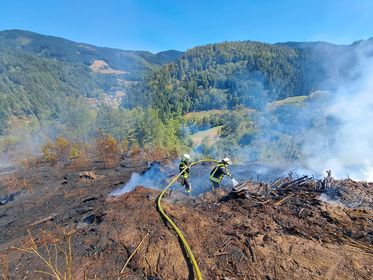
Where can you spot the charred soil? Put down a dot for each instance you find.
(287, 234)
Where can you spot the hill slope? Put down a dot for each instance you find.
(38, 73)
(231, 74)
(133, 63)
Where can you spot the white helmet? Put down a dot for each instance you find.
(185, 157)
(227, 161)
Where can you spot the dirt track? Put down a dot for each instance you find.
(231, 238)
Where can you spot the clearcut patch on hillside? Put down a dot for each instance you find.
(100, 66)
(212, 135)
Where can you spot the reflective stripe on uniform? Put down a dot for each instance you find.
(182, 166)
(212, 176)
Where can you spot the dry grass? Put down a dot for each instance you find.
(79, 155)
(5, 266)
(135, 152)
(27, 161)
(49, 250)
(13, 183)
(62, 151)
(100, 66)
(157, 153)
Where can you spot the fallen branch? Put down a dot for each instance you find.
(49, 218)
(367, 249)
(219, 254)
(278, 203)
(225, 243)
(248, 244)
(134, 252)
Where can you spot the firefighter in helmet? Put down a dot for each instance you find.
(217, 174)
(184, 167)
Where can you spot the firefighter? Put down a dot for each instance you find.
(184, 163)
(217, 174)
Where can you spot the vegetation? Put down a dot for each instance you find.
(108, 150)
(42, 75)
(55, 254)
(133, 64)
(227, 76)
(253, 93)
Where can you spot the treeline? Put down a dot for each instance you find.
(39, 73)
(138, 129)
(229, 75)
(134, 64)
(47, 84)
(34, 86)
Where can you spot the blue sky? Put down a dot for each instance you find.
(157, 25)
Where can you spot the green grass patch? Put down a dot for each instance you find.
(294, 100)
(212, 135)
(198, 116)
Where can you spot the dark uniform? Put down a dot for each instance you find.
(185, 175)
(217, 174)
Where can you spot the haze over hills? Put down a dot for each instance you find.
(255, 89)
(38, 73)
(230, 74)
(133, 63)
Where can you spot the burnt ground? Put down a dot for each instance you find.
(288, 235)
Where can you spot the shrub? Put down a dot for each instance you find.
(55, 254)
(56, 151)
(78, 154)
(108, 150)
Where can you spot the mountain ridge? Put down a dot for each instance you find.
(250, 73)
(76, 52)
(37, 72)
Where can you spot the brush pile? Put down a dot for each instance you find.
(348, 192)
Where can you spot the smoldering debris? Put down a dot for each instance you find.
(344, 193)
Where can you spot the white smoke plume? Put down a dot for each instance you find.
(153, 177)
(351, 152)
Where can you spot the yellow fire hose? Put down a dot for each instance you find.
(178, 231)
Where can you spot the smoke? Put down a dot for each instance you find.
(346, 147)
(5, 161)
(136, 180)
(154, 177)
(334, 202)
(159, 176)
(21, 142)
(331, 129)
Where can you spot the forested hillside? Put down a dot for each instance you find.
(39, 74)
(134, 64)
(265, 96)
(250, 74)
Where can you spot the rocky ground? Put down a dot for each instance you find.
(60, 222)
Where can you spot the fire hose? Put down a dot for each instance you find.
(174, 226)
